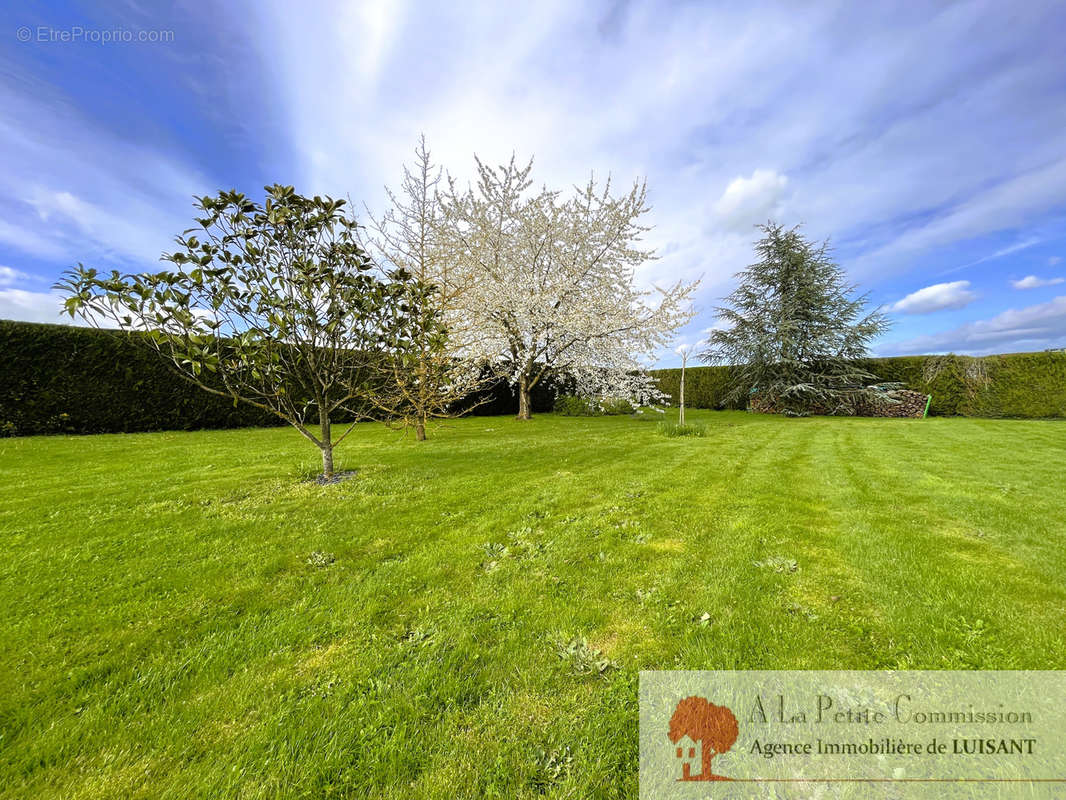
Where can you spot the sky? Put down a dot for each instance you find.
(926, 141)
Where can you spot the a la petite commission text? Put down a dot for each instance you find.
(902, 709)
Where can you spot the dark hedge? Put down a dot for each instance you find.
(63, 379)
(1024, 385)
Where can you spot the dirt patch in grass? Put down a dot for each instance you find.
(336, 477)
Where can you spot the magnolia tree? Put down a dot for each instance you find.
(550, 284)
(274, 304)
(443, 372)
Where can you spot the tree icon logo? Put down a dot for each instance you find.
(696, 720)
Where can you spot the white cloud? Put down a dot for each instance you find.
(1033, 282)
(1032, 328)
(34, 307)
(734, 113)
(750, 201)
(1054, 260)
(43, 244)
(9, 276)
(901, 128)
(719, 325)
(1004, 206)
(938, 297)
(100, 197)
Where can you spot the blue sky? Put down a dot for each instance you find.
(927, 140)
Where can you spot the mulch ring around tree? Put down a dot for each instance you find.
(336, 477)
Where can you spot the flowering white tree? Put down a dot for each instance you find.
(551, 284)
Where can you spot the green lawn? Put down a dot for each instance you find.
(163, 633)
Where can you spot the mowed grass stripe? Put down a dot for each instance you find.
(165, 635)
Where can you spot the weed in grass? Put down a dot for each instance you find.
(645, 596)
(320, 689)
(798, 610)
(552, 768)
(674, 429)
(494, 552)
(971, 631)
(320, 560)
(525, 544)
(417, 637)
(583, 659)
(779, 564)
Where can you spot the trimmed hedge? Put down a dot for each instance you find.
(705, 387)
(570, 405)
(1023, 385)
(63, 379)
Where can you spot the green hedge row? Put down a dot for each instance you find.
(63, 379)
(1025, 385)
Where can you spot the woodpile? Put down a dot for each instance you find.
(900, 403)
(897, 403)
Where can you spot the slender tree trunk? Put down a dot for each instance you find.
(420, 430)
(681, 403)
(524, 405)
(327, 443)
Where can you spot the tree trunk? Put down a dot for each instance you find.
(327, 443)
(681, 403)
(327, 461)
(524, 405)
(420, 430)
(707, 755)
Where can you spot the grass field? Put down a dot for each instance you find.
(166, 632)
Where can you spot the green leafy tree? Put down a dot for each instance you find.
(273, 304)
(793, 329)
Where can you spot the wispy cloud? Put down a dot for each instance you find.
(1031, 328)
(1002, 252)
(1033, 282)
(73, 189)
(9, 276)
(919, 136)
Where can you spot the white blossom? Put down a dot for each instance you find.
(551, 284)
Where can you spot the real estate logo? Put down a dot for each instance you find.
(699, 723)
(852, 735)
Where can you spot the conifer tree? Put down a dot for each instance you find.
(794, 331)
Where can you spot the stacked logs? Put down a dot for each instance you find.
(897, 403)
(900, 403)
